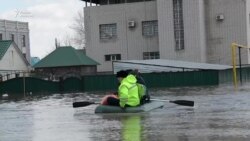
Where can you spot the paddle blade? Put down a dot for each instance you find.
(82, 104)
(183, 102)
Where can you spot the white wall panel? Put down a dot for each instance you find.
(220, 34)
(129, 43)
(194, 32)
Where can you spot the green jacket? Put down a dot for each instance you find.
(128, 92)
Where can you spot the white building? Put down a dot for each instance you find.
(12, 62)
(17, 32)
(188, 30)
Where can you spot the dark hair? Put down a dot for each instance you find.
(122, 74)
(134, 72)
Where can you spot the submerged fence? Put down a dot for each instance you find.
(33, 85)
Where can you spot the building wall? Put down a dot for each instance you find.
(194, 31)
(248, 27)
(233, 28)
(12, 63)
(207, 40)
(12, 60)
(129, 42)
(18, 29)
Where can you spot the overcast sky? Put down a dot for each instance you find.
(48, 19)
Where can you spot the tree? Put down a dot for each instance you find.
(67, 40)
(78, 27)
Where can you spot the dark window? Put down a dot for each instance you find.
(149, 28)
(12, 37)
(1, 36)
(107, 58)
(108, 31)
(150, 55)
(23, 41)
(112, 57)
(178, 24)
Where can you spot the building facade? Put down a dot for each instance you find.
(17, 32)
(12, 62)
(188, 30)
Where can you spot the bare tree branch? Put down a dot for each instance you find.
(78, 27)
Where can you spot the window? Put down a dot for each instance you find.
(8, 76)
(108, 31)
(150, 28)
(249, 18)
(112, 57)
(178, 24)
(24, 55)
(1, 36)
(23, 41)
(150, 55)
(12, 37)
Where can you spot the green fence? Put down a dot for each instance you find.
(28, 84)
(243, 75)
(100, 83)
(180, 79)
(108, 82)
(226, 76)
(71, 85)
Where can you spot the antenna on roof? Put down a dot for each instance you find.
(56, 43)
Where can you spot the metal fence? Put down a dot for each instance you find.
(23, 85)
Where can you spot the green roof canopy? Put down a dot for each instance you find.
(65, 56)
(4, 45)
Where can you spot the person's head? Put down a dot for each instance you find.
(129, 71)
(133, 72)
(121, 74)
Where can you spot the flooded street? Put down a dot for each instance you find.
(220, 113)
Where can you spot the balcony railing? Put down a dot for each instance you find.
(109, 2)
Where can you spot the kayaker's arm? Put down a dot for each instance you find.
(123, 95)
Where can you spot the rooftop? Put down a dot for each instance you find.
(65, 56)
(4, 45)
(163, 65)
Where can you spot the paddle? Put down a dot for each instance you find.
(83, 104)
(179, 102)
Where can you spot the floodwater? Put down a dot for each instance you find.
(220, 114)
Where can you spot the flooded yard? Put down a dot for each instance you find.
(220, 113)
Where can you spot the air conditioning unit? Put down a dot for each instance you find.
(220, 17)
(131, 24)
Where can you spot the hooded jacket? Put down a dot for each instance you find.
(128, 92)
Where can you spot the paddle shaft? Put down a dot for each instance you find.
(83, 104)
(160, 100)
(179, 102)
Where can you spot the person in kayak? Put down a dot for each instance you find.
(127, 92)
(143, 91)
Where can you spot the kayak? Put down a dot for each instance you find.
(116, 109)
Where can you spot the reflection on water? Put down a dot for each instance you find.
(131, 128)
(220, 113)
(119, 127)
